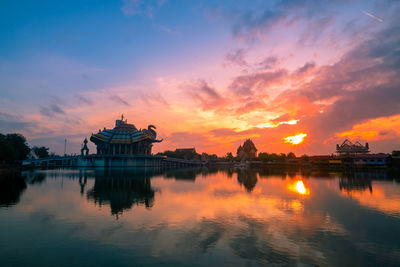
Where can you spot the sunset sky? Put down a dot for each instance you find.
(207, 74)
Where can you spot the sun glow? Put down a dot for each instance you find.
(291, 122)
(295, 139)
(299, 187)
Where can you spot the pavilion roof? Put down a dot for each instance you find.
(119, 136)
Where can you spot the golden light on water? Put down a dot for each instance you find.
(299, 187)
(295, 139)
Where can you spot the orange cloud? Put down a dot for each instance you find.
(375, 129)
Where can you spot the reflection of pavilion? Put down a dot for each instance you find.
(360, 181)
(121, 192)
(350, 184)
(248, 179)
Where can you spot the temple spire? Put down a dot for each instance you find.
(122, 117)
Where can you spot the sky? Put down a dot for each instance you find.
(207, 74)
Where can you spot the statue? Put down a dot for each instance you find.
(84, 148)
(150, 132)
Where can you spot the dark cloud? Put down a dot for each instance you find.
(305, 68)
(224, 132)
(363, 85)
(203, 93)
(315, 29)
(259, 18)
(154, 98)
(383, 133)
(83, 100)
(51, 110)
(247, 84)
(250, 106)
(237, 58)
(356, 107)
(119, 100)
(12, 123)
(268, 63)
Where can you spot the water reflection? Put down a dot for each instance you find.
(121, 190)
(247, 178)
(188, 174)
(352, 184)
(11, 187)
(298, 187)
(207, 216)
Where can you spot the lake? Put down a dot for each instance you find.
(97, 217)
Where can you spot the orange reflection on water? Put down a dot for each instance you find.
(298, 187)
(383, 198)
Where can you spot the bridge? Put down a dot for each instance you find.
(105, 160)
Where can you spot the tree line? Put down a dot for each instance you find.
(14, 149)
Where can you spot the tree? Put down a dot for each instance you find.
(41, 152)
(5, 149)
(274, 157)
(263, 156)
(304, 158)
(13, 147)
(396, 153)
(229, 156)
(239, 151)
(291, 155)
(182, 154)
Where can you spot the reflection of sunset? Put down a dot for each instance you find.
(383, 198)
(299, 187)
(295, 139)
(211, 211)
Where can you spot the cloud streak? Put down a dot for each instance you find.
(372, 16)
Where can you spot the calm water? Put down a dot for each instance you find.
(199, 217)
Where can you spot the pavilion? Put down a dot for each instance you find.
(125, 139)
(349, 148)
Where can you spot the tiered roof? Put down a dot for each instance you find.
(348, 147)
(123, 133)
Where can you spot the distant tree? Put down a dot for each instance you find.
(13, 147)
(239, 151)
(274, 157)
(5, 149)
(304, 158)
(263, 156)
(213, 157)
(291, 155)
(396, 153)
(41, 152)
(229, 156)
(181, 154)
